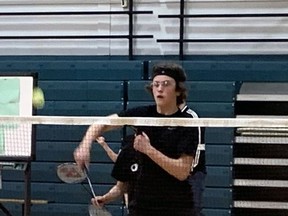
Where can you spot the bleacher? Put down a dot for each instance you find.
(101, 87)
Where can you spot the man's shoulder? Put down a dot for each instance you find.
(189, 112)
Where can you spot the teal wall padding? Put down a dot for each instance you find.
(93, 85)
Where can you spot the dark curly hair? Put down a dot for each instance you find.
(177, 73)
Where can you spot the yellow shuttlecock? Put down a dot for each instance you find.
(38, 100)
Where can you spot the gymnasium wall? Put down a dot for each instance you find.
(148, 27)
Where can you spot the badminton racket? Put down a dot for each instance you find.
(71, 173)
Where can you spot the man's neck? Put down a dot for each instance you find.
(167, 110)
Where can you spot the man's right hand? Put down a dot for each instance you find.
(101, 141)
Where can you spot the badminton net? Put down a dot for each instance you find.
(246, 158)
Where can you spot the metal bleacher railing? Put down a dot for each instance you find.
(130, 36)
(182, 16)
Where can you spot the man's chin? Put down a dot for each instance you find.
(160, 102)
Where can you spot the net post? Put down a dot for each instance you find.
(26, 207)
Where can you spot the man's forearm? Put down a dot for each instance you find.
(94, 131)
(91, 134)
(115, 192)
(112, 155)
(179, 168)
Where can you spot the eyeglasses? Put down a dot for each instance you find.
(164, 83)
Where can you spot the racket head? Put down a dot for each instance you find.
(98, 211)
(71, 173)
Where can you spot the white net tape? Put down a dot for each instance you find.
(149, 121)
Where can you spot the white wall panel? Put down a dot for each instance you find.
(144, 24)
(52, 47)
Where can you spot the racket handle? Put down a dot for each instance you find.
(136, 130)
(89, 181)
(86, 170)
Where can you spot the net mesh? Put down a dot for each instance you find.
(246, 158)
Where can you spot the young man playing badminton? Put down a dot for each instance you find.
(198, 175)
(164, 155)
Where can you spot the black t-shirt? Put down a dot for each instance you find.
(151, 187)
